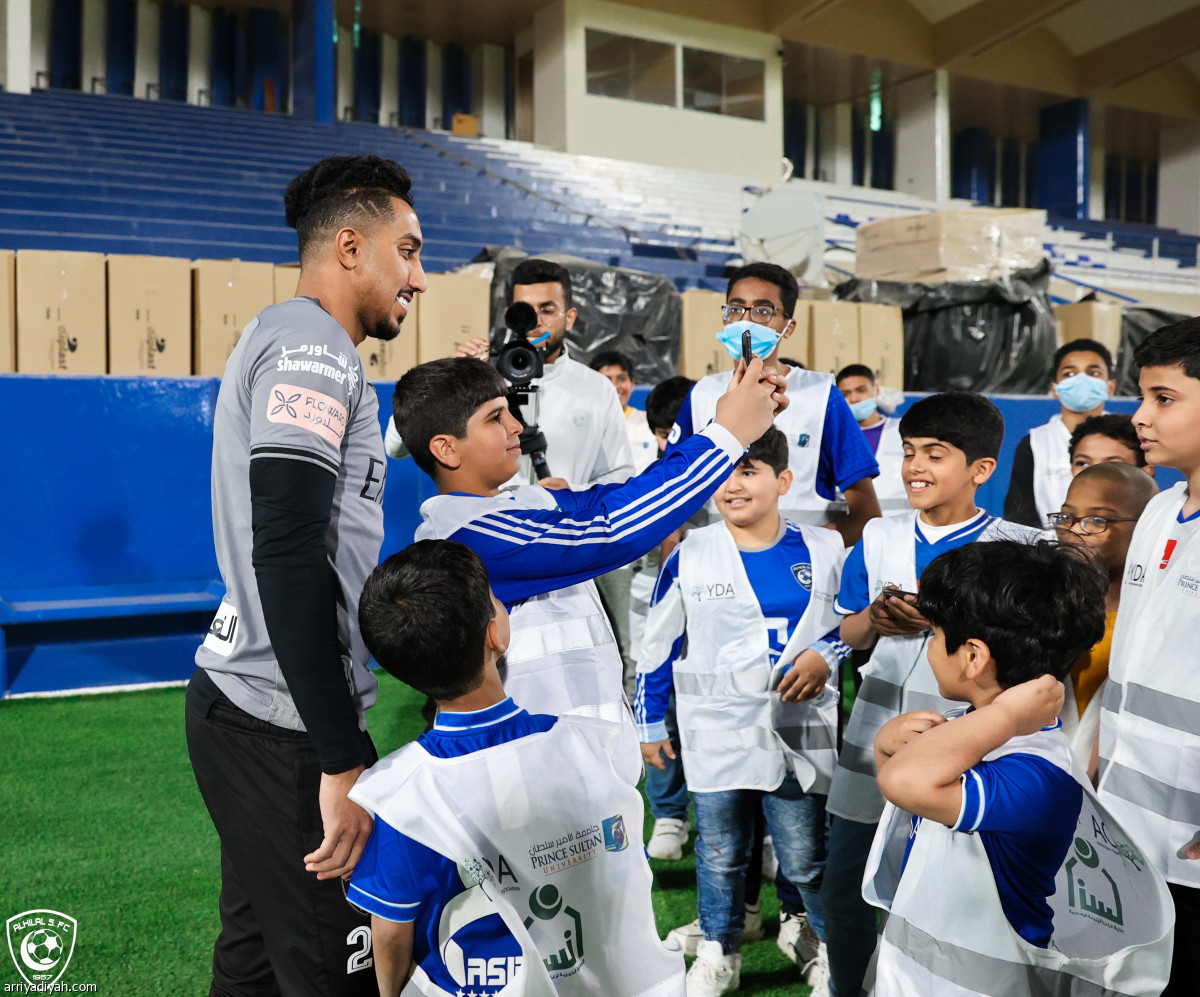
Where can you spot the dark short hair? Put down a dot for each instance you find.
(535, 271)
(665, 400)
(771, 449)
(772, 273)
(854, 370)
(440, 397)
(1175, 345)
(1084, 346)
(339, 190)
(961, 418)
(1116, 426)
(424, 614)
(1037, 606)
(612, 358)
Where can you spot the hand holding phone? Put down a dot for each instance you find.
(747, 355)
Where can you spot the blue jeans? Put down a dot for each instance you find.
(666, 789)
(850, 927)
(725, 826)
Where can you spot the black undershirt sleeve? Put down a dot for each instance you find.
(1019, 506)
(291, 502)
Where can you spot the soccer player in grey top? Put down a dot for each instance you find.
(275, 711)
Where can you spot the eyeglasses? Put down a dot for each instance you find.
(1089, 524)
(762, 314)
(550, 311)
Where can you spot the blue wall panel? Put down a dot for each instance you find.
(456, 83)
(66, 44)
(412, 83)
(313, 60)
(368, 71)
(1062, 173)
(972, 165)
(115, 491)
(265, 70)
(173, 51)
(224, 58)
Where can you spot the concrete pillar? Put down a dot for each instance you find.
(389, 80)
(809, 165)
(1097, 149)
(923, 136)
(345, 72)
(95, 59)
(550, 89)
(199, 55)
(433, 87)
(487, 89)
(17, 27)
(146, 69)
(835, 162)
(1179, 178)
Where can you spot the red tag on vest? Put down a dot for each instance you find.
(1167, 552)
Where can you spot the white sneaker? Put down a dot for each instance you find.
(714, 973)
(817, 974)
(689, 936)
(667, 839)
(797, 940)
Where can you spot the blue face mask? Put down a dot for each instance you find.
(763, 339)
(864, 410)
(1082, 392)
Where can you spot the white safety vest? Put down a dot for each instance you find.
(946, 934)
(546, 832)
(802, 422)
(562, 653)
(1050, 444)
(889, 486)
(735, 732)
(898, 678)
(1150, 714)
(1081, 731)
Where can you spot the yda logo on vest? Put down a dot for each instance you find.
(556, 928)
(41, 943)
(717, 590)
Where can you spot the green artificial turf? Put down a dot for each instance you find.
(101, 819)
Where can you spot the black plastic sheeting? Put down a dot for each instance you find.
(991, 336)
(637, 313)
(1136, 324)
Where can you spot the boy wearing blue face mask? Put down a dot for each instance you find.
(827, 453)
(1041, 470)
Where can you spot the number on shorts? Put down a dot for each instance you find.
(361, 957)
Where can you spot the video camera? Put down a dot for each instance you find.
(522, 365)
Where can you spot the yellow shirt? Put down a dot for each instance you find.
(1092, 669)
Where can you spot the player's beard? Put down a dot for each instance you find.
(385, 330)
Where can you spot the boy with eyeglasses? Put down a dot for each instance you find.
(1102, 506)
(826, 450)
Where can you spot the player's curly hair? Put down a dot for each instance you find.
(340, 189)
(1037, 606)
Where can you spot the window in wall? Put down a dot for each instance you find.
(723, 84)
(630, 68)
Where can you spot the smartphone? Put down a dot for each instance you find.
(899, 593)
(746, 341)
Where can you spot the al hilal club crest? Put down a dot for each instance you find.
(803, 574)
(41, 943)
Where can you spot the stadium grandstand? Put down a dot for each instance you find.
(633, 135)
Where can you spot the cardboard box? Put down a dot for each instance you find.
(386, 361)
(61, 313)
(975, 244)
(227, 294)
(149, 315)
(464, 124)
(1096, 320)
(881, 343)
(699, 352)
(286, 279)
(8, 311)
(454, 309)
(833, 342)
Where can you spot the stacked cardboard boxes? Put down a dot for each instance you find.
(8, 311)
(976, 244)
(227, 294)
(1096, 320)
(149, 316)
(60, 313)
(454, 309)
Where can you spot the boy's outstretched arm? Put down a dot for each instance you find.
(392, 942)
(922, 774)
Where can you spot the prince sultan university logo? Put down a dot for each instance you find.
(41, 943)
